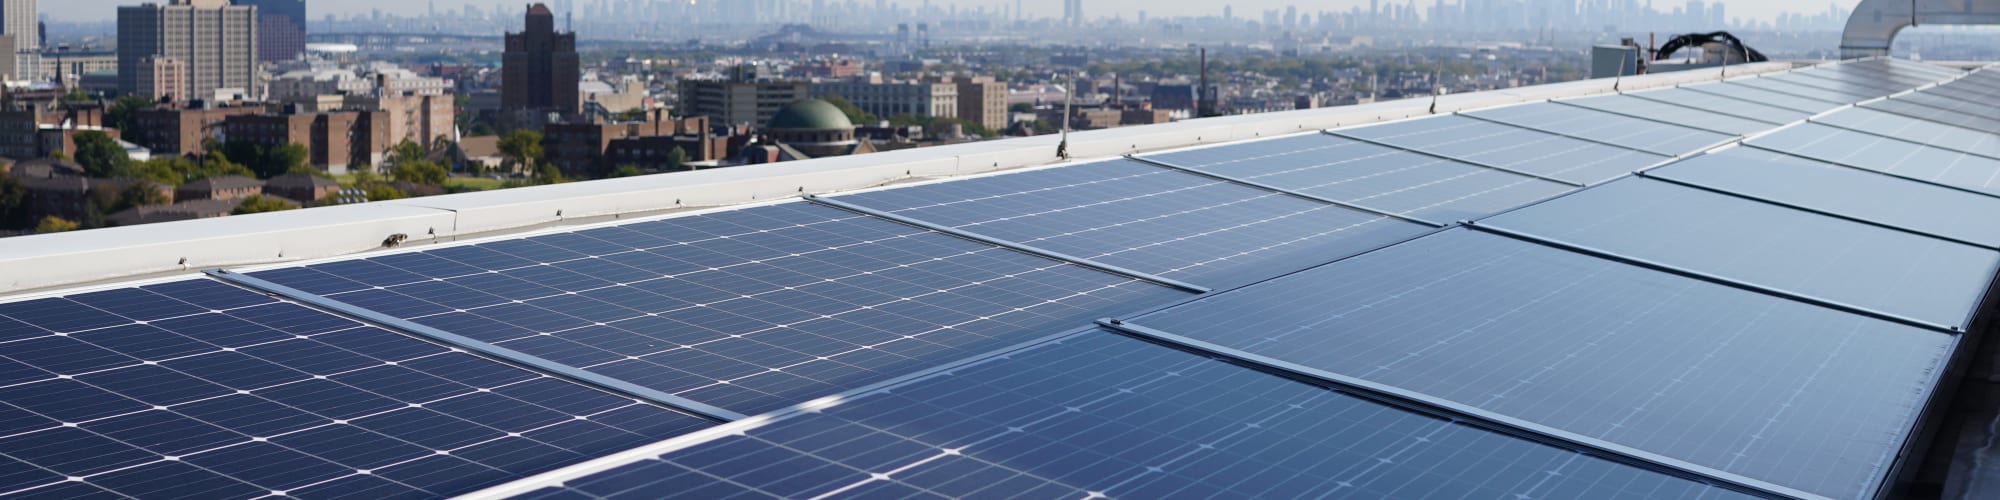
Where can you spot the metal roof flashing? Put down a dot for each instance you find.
(64, 259)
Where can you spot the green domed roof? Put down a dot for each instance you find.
(810, 114)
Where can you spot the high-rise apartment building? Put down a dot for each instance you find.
(540, 71)
(982, 100)
(281, 28)
(18, 19)
(214, 42)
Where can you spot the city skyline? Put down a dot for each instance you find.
(99, 10)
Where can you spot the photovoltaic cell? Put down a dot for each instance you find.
(1797, 89)
(1753, 94)
(1755, 385)
(750, 310)
(1907, 105)
(197, 389)
(1723, 105)
(1653, 137)
(1844, 191)
(1102, 414)
(1511, 147)
(1775, 247)
(1877, 76)
(1372, 176)
(1887, 155)
(1149, 219)
(1628, 105)
(1866, 88)
(1932, 133)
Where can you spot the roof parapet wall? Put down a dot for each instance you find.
(54, 260)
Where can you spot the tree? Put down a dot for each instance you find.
(175, 170)
(406, 151)
(854, 113)
(548, 174)
(100, 155)
(75, 95)
(523, 149)
(419, 172)
(1021, 107)
(139, 194)
(124, 112)
(677, 160)
(627, 171)
(257, 204)
(285, 159)
(380, 192)
(53, 224)
(13, 203)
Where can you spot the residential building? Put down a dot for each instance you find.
(615, 96)
(591, 150)
(886, 99)
(177, 132)
(72, 65)
(421, 119)
(228, 187)
(281, 26)
(214, 41)
(37, 132)
(162, 79)
(982, 100)
(335, 141)
(739, 102)
(540, 70)
(303, 188)
(19, 19)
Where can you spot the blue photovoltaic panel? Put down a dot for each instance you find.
(1372, 176)
(1654, 137)
(1775, 247)
(1722, 105)
(1511, 147)
(1978, 96)
(1886, 155)
(197, 389)
(1907, 105)
(1706, 120)
(1150, 219)
(1752, 94)
(1914, 68)
(1881, 77)
(1913, 129)
(750, 310)
(1855, 87)
(1764, 387)
(1798, 89)
(1103, 414)
(1844, 191)
(1954, 100)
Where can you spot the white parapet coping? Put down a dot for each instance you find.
(54, 260)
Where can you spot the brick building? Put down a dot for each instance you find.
(177, 132)
(589, 150)
(335, 141)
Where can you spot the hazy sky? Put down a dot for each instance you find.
(1762, 9)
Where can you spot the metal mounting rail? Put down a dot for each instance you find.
(1427, 404)
(1814, 211)
(493, 351)
(1870, 170)
(1570, 136)
(1689, 273)
(1656, 120)
(1903, 140)
(1774, 105)
(1019, 247)
(1642, 95)
(1283, 191)
(1447, 157)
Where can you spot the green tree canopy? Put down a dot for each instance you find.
(854, 113)
(523, 148)
(380, 192)
(257, 204)
(124, 112)
(677, 160)
(626, 171)
(100, 155)
(53, 224)
(406, 151)
(13, 203)
(419, 172)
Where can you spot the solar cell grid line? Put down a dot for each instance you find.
(1890, 275)
(1844, 85)
(1896, 157)
(1024, 248)
(1722, 104)
(1838, 163)
(1106, 415)
(1845, 191)
(1948, 104)
(1911, 109)
(1449, 158)
(1543, 119)
(1378, 177)
(1884, 75)
(194, 388)
(1762, 96)
(1275, 189)
(1939, 134)
(1803, 208)
(1507, 146)
(1797, 90)
(1741, 126)
(746, 309)
(1906, 140)
(1603, 349)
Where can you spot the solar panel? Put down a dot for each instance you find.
(750, 310)
(1907, 107)
(1645, 135)
(1797, 89)
(1878, 75)
(1722, 105)
(198, 389)
(1898, 273)
(1103, 415)
(1977, 96)
(1150, 219)
(1372, 176)
(1764, 387)
(1633, 106)
(1752, 94)
(1899, 126)
(1844, 191)
(1917, 68)
(1883, 154)
(1863, 87)
(1510, 147)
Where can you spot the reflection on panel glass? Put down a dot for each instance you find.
(1927, 132)
(1765, 387)
(1650, 136)
(1887, 155)
(1511, 147)
(1628, 105)
(1723, 105)
(1105, 415)
(1844, 191)
(1753, 94)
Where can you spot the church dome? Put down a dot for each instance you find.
(810, 114)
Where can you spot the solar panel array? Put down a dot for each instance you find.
(1296, 316)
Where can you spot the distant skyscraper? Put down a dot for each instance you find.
(215, 44)
(540, 70)
(281, 28)
(18, 19)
